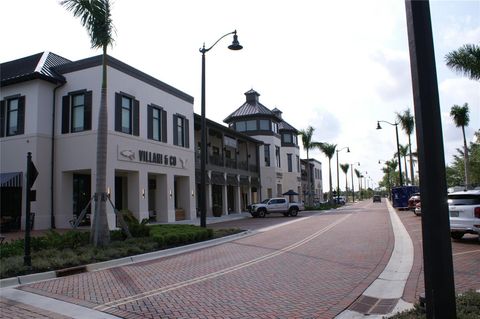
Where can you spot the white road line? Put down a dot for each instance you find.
(222, 272)
(466, 252)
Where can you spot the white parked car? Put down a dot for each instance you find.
(464, 210)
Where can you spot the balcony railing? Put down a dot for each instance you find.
(230, 163)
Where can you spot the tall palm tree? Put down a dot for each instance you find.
(403, 153)
(408, 123)
(462, 118)
(308, 145)
(95, 16)
(359, 175)
(465, 60)
(329, 151)
(345, 168)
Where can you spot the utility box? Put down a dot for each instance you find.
(400, 195)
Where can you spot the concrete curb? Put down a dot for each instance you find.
(28, 279)
(390, 284)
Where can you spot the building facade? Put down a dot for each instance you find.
(316, 180)
(233, 174)
(279, 155)
(49, 107)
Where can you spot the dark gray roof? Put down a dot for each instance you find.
(252, 107)
(285, 126)
(37, 66)
(197, 118)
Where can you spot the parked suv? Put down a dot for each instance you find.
(464, 211)
(413, 201)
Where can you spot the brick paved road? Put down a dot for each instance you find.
(466, 260)
(312, 268)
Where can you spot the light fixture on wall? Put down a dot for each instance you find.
(143, 192)
(193, 194)
(170, 193)
(108, 191)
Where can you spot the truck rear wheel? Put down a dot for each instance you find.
(261, 213)
(293, 211)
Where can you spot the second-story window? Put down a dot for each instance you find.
(77, 112)
(264, 125)
(157, 123)
(180, 131)
(277, 155)
(126, 114)
(266, 149)
(298, 164)
(289, 162)
(12, 116)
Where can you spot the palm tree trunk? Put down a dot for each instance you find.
(412, 175)
(346, 187)
(309, 186)
(330, 178)
(465, 154)
(100, 235)
(406, 171)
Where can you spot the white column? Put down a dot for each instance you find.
(238, 196)
(142, 195)
(170, 200)
(209, 195)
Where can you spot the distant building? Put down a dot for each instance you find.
(316, 180)
(279, 154)
(233, 174)
(49, 106)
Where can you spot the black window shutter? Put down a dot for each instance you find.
(66, 114)
(2, 118)
(149, 122)
(175, 130)
(21, 115)
(187, 133)
(164, 126)
(136, 118)
(118, 112)
(87, 117)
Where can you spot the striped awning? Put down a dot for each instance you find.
(11, 179)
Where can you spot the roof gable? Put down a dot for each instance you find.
(37, 66)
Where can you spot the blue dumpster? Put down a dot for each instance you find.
(400, 195)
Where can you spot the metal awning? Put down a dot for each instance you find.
(232, 180)
(11, 179)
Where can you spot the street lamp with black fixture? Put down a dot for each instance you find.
(398, 147)
(353, 187)
(203, 147)
(338, 173)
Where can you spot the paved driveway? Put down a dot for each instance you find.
(314, 266)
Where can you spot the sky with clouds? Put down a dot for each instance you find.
(338, 66)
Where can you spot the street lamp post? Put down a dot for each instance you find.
(338, 173)
(398, 148)
(203, 152)
(353, 185)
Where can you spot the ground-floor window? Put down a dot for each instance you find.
(11, 208)
(81, 197)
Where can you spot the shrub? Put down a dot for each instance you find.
(468, 307)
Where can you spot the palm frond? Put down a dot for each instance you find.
(465, 60)
(460, 115)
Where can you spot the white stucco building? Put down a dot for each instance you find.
(279, 154)
(49, 107)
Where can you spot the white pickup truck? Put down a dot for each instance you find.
(276, 205)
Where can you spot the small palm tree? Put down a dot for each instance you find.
(465, 60)
(345, 168)
(408, 123)
(95, 16)
(308, 145)
(329, 151)
(461, 118)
